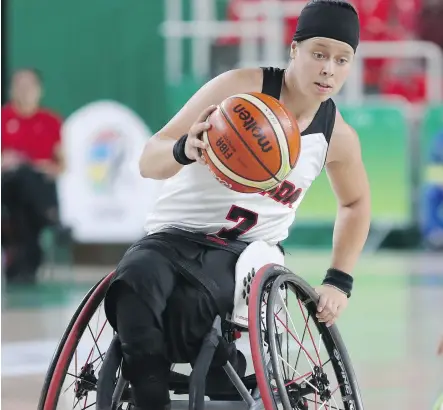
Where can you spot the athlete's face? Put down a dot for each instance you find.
(321, 65)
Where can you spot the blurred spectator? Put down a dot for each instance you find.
(31, 162)
(430, 22)
(374, 17)
(381, 20)
(407, 11)
(387, 20)
(405, 79)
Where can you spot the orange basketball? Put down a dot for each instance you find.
(253, 144)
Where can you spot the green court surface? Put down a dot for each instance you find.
(391, 328)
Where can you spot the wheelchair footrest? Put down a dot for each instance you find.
(211, 405)
(179, 384)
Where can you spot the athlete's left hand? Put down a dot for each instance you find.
(332, 302)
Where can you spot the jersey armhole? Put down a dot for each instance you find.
(272, 81)
(331, 115)
(331, 112)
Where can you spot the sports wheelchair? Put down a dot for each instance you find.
(314, 373)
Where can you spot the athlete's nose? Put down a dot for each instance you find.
(328, 69)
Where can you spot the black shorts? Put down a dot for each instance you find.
(183, 281)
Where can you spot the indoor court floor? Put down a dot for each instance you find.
(391, 327)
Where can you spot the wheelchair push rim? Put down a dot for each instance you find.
(313, 372)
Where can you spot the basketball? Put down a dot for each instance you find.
(253, 143)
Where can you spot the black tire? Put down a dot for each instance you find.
(262, 280)
(63, 355)
(332, 340)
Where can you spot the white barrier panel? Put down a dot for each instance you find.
(102, 195)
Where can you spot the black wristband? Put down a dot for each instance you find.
(179, 151)
(340, 280)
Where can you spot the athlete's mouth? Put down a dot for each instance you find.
(323, 85)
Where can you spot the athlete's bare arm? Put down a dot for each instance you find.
(350, 184)
(157, 160)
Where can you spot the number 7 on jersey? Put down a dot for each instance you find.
(245, 219)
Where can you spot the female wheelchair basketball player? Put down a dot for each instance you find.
(200, 247)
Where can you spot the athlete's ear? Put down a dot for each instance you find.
(293, 50)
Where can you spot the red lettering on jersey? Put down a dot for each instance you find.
(286, 193)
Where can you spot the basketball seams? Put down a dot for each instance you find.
(279, 132)
(283, 169)
(247, 146)
(232, 175)
(287, 138)
(288, 143)
(270, 113)
(233, 172)
(242, 97)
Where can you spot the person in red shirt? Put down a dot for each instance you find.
(31, 161)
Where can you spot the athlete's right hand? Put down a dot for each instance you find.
(194, 144)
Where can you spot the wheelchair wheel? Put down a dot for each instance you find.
(71, 380)
(299, 363)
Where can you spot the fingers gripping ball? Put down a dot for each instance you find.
(253, 143)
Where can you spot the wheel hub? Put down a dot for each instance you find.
(298, 391)
(86, 381)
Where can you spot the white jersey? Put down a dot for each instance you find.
(193, 200)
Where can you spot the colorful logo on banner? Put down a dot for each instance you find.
(106, 156)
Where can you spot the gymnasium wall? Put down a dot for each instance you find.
(92, 50)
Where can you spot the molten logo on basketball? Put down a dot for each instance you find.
(249, 124)
(253, 144)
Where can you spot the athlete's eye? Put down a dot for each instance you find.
(319, 56)
(342, 61)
